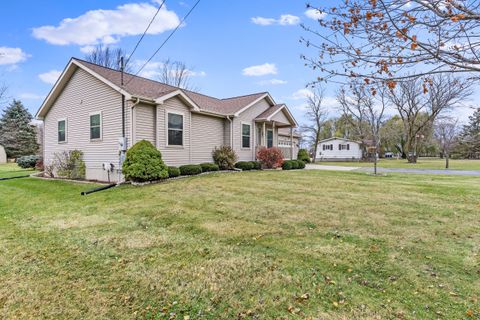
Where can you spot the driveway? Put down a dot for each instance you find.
(394, 170)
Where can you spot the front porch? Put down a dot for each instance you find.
(267, 135)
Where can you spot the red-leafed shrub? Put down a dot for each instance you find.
(271, 158)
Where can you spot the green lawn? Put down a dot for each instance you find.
(422, 163)
(13, 170)
(253, 245)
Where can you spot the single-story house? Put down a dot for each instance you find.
(103, 112)
(339, 149)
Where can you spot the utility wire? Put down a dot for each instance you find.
(165, 41)
(145, 32)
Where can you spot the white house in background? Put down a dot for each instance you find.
(3, 155)
(339, 149)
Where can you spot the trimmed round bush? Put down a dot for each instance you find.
(257, 165)
(244, 165)
(143, 162)
(287, 165)
(190, 170)
(301, 164)
(294, 164)
(303, 155)
(173, 172)
(224, 157)
(208, 167)
(27, 162)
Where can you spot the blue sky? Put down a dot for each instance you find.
(234, 47)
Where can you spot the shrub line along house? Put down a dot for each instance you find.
(89, 109)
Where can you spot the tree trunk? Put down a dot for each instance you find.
(447, 162)
(315, 148)
(410, 151)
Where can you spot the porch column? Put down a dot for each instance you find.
(274, 143)
(264, 135)
(291, 143)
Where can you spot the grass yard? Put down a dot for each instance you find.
(253, 245)
(13, 170)
(422, 163)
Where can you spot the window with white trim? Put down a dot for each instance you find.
(175, 129)
(62, 130)
(246, 131)
(95, 126)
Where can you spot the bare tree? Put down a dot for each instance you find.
(108, 57)
(366, 109)
(388, 40)
(419, 104)
(177, 74)
(446, 131)
(316, 115)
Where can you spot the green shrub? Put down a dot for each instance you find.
(294, 164)
(190, 169)
(244, 165)
(144, 163)
(224, 157)
(303, 155)
(173, 172)
(301, 164)
(257, 165)
(27, 162)
(287, 165)
(207, 167)
(70, 164)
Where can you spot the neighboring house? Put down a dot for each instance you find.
(339, 149)
(90, 110)
(3, 155)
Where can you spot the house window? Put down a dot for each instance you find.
(245, 135)
(62, 130)
(269, 138)
(95, 126)
(175, 129)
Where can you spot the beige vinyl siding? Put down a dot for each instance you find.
(247, 116)
(280, 117)
(174, 155)
(227, 128)
(144, 123)
(83, 95)
(207, 133)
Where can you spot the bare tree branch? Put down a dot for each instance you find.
(316, 115)
(177, 74)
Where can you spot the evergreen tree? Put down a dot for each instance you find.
(17, 134)
(469, 146)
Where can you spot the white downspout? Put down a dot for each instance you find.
(231, 131)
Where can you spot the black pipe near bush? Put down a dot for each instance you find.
(84, 193)
(17, 177)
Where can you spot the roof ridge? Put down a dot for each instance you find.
(245, 95)
(166, 84)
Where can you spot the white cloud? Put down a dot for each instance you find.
(260, 70)
(108, 26)
(12, 56)
(50, 77)
(315, 14)
(302, 94)
(31, 96)
(283, 20)
(271, 82)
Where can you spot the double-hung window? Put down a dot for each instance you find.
(95, 126)
(175, 129)
(246, 135)
(62, 130)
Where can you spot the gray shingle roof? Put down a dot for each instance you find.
(267, 113)
(146, 88)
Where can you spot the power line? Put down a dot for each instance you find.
(165, 41)
(145, 32)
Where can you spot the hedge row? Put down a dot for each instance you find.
(248, 165)
(293, 164)
(192, 169)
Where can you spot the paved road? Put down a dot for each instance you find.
(396, 170)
